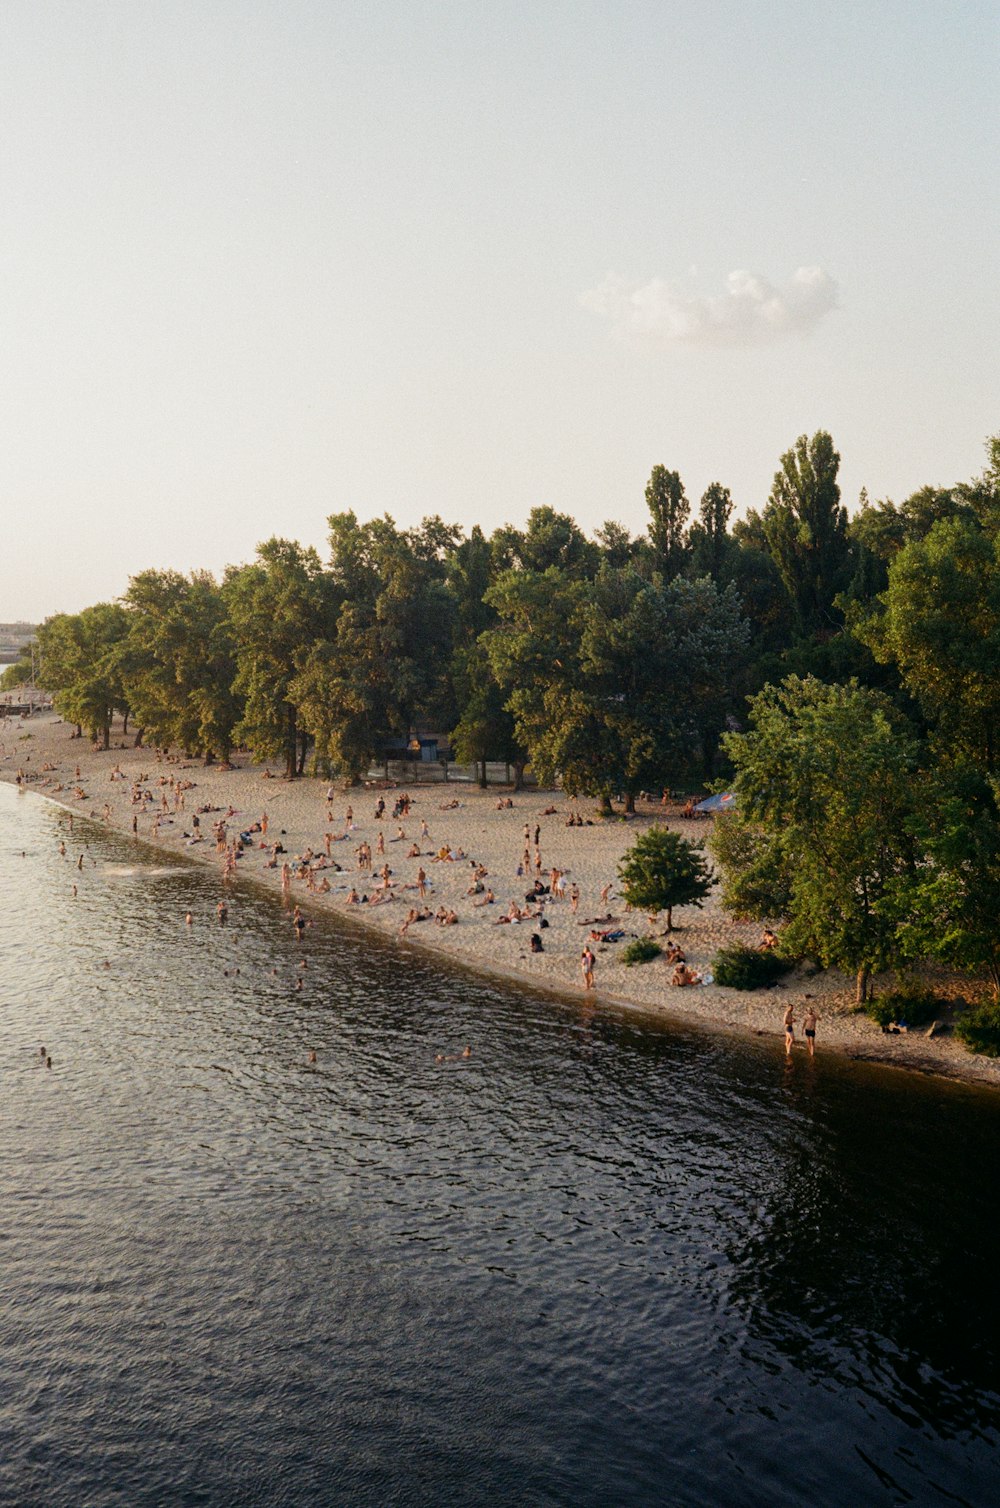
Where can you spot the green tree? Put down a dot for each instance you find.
(279, 608)
(386, 663)
(806, 531)
(663, 870)
(80, 657)
(668, 515)
(954, 902)
(824, 779)
(709, 542)
(938, 622)
(179, 663)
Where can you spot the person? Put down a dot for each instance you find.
(222, 912)
(683, 976)
(789, 1022)
(768, 940)
(536, 943)
(587, 961)
(809, 1028)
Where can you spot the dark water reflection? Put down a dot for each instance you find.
(598, 1262)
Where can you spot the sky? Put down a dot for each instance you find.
(265, 261)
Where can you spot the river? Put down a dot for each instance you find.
(602, 1260)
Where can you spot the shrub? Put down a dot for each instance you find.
(641, 950)
(748, 968)
(979, 1028)
(911, 1003)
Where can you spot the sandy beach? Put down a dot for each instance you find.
(488, 834)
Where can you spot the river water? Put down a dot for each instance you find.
(600, 1261)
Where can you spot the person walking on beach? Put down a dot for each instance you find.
(789, 1029)
(587, 961)
(809, 1029)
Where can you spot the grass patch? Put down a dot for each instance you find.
(749, 968)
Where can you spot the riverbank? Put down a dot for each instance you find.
(483, 830)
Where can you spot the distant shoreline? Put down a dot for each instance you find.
(298, 816)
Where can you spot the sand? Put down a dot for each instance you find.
(462, 817)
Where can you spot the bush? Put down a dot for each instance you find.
(979, 1029)
(642, 950)
(748, 968)
(912, 1003)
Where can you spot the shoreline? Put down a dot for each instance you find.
(473, 823)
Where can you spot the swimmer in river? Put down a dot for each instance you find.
(48, 1062)
(222, 912)
(79, 863)
(312, 1055)
(74, 892)
(188, 919)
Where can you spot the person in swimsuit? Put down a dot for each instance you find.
(587, 961)
(809, 1029)
(789, 1029)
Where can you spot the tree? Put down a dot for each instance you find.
(708, 540)
(806, 531)
(824, 781)
(80, 656)
(179, 663)
(954, 903)
(939, 622)
(668, 515)
(279, 608)
(386, 661)
(617, 681)
(663, 870)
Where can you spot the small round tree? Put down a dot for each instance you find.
(663, 870)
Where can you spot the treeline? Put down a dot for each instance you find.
(868, 815)
(616, 663)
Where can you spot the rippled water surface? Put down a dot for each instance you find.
(598, 1262)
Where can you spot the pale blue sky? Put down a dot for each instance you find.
(261, 262)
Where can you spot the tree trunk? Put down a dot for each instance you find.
(291, 738)
(107, 735)
(482, 775)
(507, 775)
(79, 731)
(518, 775)
(209, 758)
(864, 977)
(303, 750)
(630, 803)
(670, 918)
(607, 810)
(139, 736)
(125, 726)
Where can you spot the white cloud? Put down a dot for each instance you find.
(752, 311)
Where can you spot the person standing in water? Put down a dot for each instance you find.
(789, 1029)
(809, 1028)
(587, 961)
